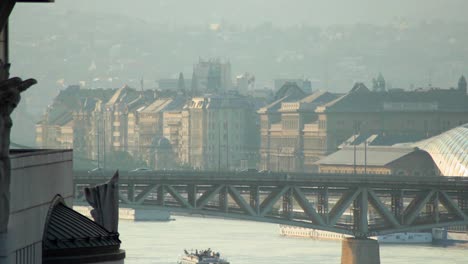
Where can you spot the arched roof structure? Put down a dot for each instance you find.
(449, 151)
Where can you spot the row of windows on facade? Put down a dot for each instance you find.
(410, 123)
(226, 113)
(230, 147)
(358, 125)
(214, 136)
(290, 124)
(292, 141)
(225, 125)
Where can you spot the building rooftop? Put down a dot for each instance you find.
(380, 139)
(308, 103)
(289, 92)
(361, 99)
(220, 102)
(157, 105)
(272, 107)
(376, 156)
(67, 229)
(126, 97)
(449, 151)
(70, 236)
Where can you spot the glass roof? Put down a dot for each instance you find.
(449, 151)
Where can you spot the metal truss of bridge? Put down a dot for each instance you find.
(362, 206)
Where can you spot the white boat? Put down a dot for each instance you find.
(396, 238)
(202, 257)
(406, 238)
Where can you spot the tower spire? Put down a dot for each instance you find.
(181, 83)
(462, 84)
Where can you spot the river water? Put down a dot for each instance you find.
(244, 242)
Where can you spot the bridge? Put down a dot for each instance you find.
(357, 205)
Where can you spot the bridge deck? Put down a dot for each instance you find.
(198, 177)
(360, 205)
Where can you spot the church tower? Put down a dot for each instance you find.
(378, 85)
(462, 84)
(194, 85)
(181, 83)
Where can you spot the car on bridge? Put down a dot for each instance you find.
(141, 169)
(98, 171)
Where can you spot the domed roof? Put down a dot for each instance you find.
(161, 143)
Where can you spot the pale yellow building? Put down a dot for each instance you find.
(284, 126)
(55, 130)
(221, 133)
(160, 119)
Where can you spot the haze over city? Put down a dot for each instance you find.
(332, 43)
(233, 132)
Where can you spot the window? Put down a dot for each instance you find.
(322, 124)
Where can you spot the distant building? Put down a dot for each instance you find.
(83, 129)
(172, 129)
(55, 130)
(212, 76)
(245, 83)
(71, 109)
(284, 145)
(418, 114)
(220, 132)
(159, 119)
(402, 161)
(92, 121)
(395, 116)
(115, 115)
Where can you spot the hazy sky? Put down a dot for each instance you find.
(280, 12)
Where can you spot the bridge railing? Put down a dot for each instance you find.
(351, 204)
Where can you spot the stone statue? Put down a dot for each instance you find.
(104, 199)
(4, 70)
(9, 98)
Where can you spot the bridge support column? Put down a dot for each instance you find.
(360, 251)
(131, 192)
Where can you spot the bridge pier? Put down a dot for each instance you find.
(360, 251)
(131, 192)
